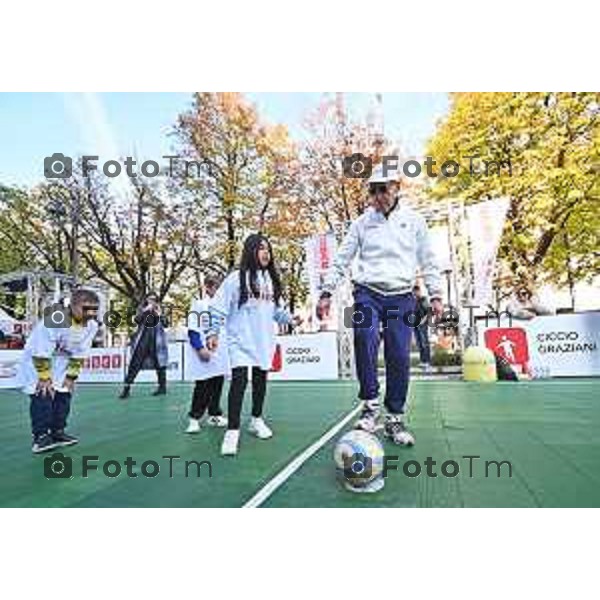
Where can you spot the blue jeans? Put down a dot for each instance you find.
(385, 312)
(49, 414)
(422, 338)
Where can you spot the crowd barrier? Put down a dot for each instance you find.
(311, 356)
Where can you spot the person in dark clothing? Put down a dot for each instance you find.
(149, 348)
(421, 330)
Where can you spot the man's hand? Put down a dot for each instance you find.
(212, 343)
(204, 354)
(437, 306)
(45, 388)
(69, 383)
(323, 308)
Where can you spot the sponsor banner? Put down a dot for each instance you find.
(561, 345)
(311, 356)
(103, 365)
(9, 363)
(174, 368)
(297, 357)
(485, 223)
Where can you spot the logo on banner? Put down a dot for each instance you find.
(103, 362)
(277, 361)
(510, 343)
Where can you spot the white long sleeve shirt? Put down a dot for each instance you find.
(57, 344)
(250, 328)
(388, 252)
(199, 321)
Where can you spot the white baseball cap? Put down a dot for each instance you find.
(389, 175)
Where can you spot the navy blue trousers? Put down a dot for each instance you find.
(49, 414)
(390, 316)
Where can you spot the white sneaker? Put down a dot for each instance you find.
(194, 426)
(259, 428)
(369, 416)
(231, 440)
(397, 432)
(217, 421)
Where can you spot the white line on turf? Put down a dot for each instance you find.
(295, 464)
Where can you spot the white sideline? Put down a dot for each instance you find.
(295, 464)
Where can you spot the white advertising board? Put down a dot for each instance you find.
(9, 363)
(562, 345)
(310, 356)
(104, 365)
(174, 368)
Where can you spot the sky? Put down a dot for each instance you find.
(113, 125)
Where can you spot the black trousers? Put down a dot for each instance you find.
(239, 381)
(135, 366)
(207, 394)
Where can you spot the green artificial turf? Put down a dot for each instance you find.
(547, 430)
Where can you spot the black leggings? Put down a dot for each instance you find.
(239, 381)
(207, 394)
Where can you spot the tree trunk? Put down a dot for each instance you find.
(230, 239)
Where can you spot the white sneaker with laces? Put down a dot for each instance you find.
(217, 421)
(369, 416)
(231, 440)
(259, 428)
(395, 430)
(194, 426)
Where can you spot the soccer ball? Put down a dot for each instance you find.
(358, 458)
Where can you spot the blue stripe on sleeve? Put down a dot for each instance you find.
(195, 340)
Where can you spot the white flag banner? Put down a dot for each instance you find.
(320, 252)
(485, 225)
(439, 240)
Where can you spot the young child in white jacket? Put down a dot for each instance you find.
(51, 363)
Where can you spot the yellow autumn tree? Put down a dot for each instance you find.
(541, 150)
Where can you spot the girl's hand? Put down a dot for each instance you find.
(204, 354)
(297, 321)
(45, 388)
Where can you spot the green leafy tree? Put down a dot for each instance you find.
(541, 150)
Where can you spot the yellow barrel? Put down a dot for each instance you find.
(479, 364)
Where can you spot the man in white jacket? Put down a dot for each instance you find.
(390, 241)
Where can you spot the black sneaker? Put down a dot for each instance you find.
(396, 431)
(64, 439)
(160, 392)
(125, 393)
(43, 443)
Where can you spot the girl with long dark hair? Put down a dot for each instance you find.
(248, 301)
